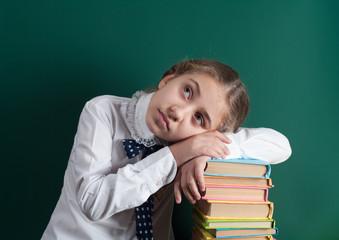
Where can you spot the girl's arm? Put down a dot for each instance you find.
(98, 175)
(210, 143)
(259, 143)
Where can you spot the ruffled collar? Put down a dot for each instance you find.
(136, 120)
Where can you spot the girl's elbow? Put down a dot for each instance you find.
(285, 148)
(87, 204)
(283, 156)
(285, 153)
(288, 152)
(92, 216)
(88, 209)
(89, 200)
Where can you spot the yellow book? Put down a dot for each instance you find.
(213, 223)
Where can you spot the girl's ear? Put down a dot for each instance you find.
(165, 80)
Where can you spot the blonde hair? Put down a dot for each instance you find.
(235, 91)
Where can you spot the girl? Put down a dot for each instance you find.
(102, 188)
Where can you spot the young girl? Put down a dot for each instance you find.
(196, 100)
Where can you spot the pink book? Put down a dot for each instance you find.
(235, 193)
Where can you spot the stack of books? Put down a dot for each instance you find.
(235, 204)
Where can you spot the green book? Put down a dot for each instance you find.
(218, 223)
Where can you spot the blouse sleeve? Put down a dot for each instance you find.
(262, 143)
(102, 191)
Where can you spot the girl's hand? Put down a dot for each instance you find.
(190, 180)
(210, 143)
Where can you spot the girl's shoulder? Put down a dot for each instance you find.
(106, 105)
(109, 99)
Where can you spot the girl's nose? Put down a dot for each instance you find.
(177, 114)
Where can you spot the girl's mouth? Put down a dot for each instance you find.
(163, 120)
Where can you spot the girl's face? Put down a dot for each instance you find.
(186, 105)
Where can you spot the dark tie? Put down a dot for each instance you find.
(143, 213)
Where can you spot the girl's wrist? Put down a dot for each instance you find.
(179, 154)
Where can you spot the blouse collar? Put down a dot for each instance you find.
(136, 118)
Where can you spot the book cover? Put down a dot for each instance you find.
(238, 167)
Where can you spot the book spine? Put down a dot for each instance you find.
(268, 173)
(266, 195)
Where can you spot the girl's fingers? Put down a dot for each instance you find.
(186, 190)
(177, 189)
(199, 174)
(222, 149)
(222, 137)
(215, 150)
(213, 144)
(193, 185)
(215, 133)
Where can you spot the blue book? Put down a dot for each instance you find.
(238, 167)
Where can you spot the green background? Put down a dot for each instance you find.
(56, 55)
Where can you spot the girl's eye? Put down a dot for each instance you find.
(199, 119)
(187, 92)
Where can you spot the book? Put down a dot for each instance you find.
(209, 223)
(202, 234)
(224, 232)
(235, 204)
(235, 209)
(235, 232)
(235, 193)
(238, 181)
(238, 168)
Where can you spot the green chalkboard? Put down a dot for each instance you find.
(56, 55)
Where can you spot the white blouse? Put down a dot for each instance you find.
(102, 186)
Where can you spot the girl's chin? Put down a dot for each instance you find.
(170, 139)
